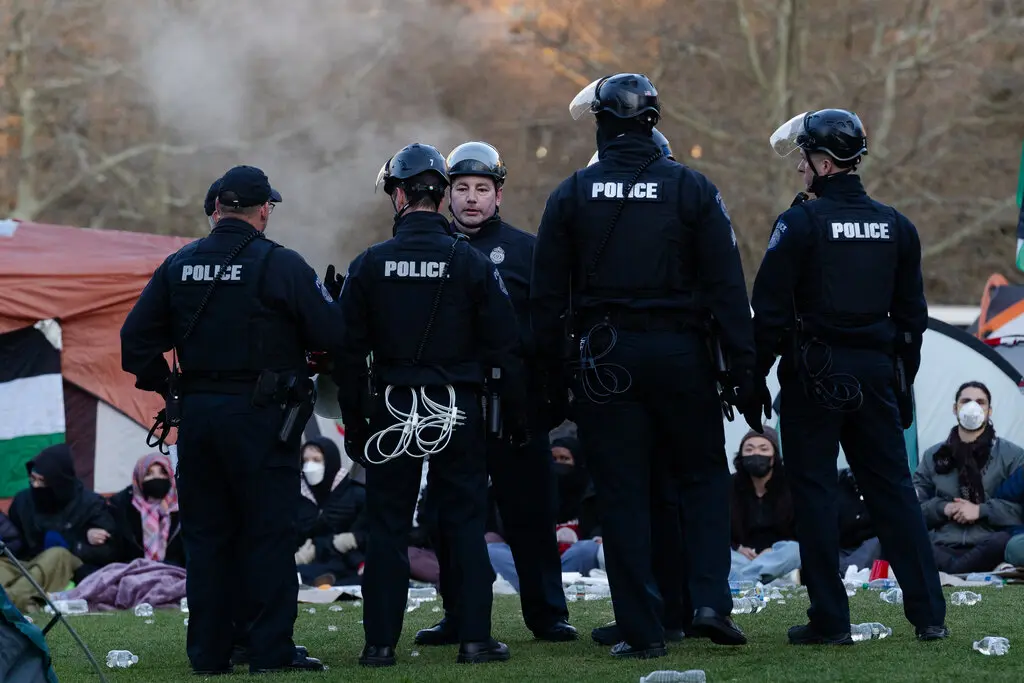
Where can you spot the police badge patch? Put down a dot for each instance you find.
(497, 255)
(323, 290)
(780, 228)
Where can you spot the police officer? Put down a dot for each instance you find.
(641, 250)
(478, 175)
(435, 314)
(668, 559)
(839, 295)
(240, 311)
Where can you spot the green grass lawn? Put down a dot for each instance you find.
(161, 647)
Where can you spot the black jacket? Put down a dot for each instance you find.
(87, 510)
(129, 531)
(9, 534)
(759, 523)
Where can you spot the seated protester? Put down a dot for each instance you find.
(956, 482)
(1013, 490)
(57, 512)
(146, 514)
(329, 540)
(762, 512)
(858, 544)
(571, 485)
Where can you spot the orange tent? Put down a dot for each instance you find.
(87, 280)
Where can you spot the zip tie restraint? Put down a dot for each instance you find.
(444, 418)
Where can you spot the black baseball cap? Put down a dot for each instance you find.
(246, 186)
(210, 204)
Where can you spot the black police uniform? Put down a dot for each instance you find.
(851, 268)
(387, 301)
(529, 521)
(236, 480)
(671, 258)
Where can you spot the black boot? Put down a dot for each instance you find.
(443, 632)
(481, 653)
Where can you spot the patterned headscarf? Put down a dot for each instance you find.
(156, 516)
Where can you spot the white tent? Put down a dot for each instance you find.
(949, 357)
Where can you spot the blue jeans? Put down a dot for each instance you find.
(579, 557)
(783, 558)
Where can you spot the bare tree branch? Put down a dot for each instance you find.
(982, 224)
(752, 53)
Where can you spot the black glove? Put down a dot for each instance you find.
(333, 282)
(904, 394)
(357, 433)
(752, 398)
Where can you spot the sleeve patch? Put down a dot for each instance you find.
(777, 233)
(323, 289)
(501, 282)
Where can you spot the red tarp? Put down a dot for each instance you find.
(87, 280)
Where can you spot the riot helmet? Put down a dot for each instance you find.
(477, 158)
(836, 132)
(624, 95)
(411, 161)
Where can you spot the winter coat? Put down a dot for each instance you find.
(934, 491)
(129, 531)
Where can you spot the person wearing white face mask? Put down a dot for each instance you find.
(330, 537)
(957, 481)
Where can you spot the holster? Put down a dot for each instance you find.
(494, 417)
(294, 393)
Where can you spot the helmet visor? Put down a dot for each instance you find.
(584, 100)
(593, 160)
(381, 175)
(784, 139)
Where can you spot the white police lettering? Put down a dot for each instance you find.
(417, 269)
(209, 273)
(843, 230)
(650, 192)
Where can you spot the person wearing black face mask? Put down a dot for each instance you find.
(146, 512)
(56, 511)
(762, 512)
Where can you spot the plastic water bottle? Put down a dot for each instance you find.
(965, 598)
(881, 584)
(332, 628)
(893, 596)
(869, 631)
(691, 676)
(746, 605)
(598, 592)
(69, 607)
(335, 608)
(581, 590)
(121, 659)
(851, 588)
(739, 587)
(184, 605)
(992, 645)
(423, 594)
(144, 610)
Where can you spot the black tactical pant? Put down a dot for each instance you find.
(873, 442)
(669, 419)
(457, 484)
(529, 529)
(237, 495)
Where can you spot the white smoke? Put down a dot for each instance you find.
(317, 93)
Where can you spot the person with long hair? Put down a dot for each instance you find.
(956, 483)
